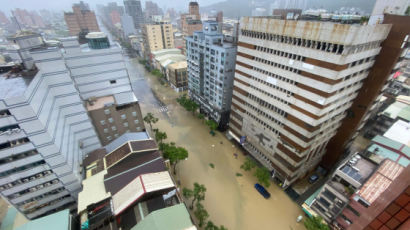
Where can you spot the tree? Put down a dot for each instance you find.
(248, 164)
(315, 223)
(198, 193)
(210, 226)
(150, 119)
(201, 116)
(160, 136)
(173, 153)
(212, 126)
(201, 214)
(263, 176)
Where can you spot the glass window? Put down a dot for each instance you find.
(106, 111)
(114, 128)
(136, 121)
(110, 120)
(102, 122)
(123, 116)
(116, 135)
(105, 130)
(125, 124)
(109, 138)
(138, 128)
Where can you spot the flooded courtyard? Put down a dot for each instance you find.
(231, 200)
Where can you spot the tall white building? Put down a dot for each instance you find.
(44, 132)
(211, 64)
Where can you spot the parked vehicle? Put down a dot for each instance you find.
(313, 178)
(262, 191)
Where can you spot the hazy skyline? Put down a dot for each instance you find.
(66, 4)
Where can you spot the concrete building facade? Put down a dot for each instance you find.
(133, 8)
(191, 21)
(158, 36)
(177, 75)
(45, 134)
(294, 83)
(211, 64)
(115, 115)
(81, 19)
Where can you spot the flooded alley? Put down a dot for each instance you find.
(230, 200)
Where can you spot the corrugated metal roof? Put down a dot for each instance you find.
(399, 132)
(93, 191)
(380, 180)
(125, 98)
(138, 187)
(172, 218)
(124, 138)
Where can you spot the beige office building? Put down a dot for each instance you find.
(81, 19)
(295, 81)
(115, 115)
(158, 36)
(177, 76)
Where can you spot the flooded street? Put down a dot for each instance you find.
(230, 200)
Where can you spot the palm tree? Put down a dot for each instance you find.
(150, 119)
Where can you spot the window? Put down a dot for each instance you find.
(136, 121)
(110, 120)
(125, 124)
(106, 111)
(102, 122)
(123, 116)
(109, 138)
(116, 135)
(138, 128)
(113, 81)
(113, 128)
(105, 130)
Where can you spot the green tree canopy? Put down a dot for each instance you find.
(263, 176)
(315, 223)
(198, 193)
(160, 136)
(201, 214)
(173, 153)
(248, 165)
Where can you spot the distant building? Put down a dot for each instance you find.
(211, 64)
(191, 21)
(115, 115)
(3, 19)
(133, 8)
(81, 20)
(127, 24)
(287, 13)
(158, 36)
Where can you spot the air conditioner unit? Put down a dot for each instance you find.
(40, 186)
(32, 178)
(8, 132)
(16, 130)
(47, 184)
(25, 180)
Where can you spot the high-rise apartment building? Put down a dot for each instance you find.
(211, 64)
(158, 36)
(133, 8)
(82, 19)
(295, 81)
(152, 9)
(45, 132)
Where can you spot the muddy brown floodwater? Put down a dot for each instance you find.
(230, 200)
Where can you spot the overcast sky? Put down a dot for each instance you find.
(7, 5)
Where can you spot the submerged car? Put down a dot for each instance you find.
(262, 191)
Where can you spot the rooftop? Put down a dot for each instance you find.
(138, 187)
(178, 65)
(59, 220)
(137, 136)
(172, 218)
(93, 35)
(13, 84)
(93, 191)
(358, 168)
(399, 132)
(398, 109)
(95, 103)
(380, 181)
